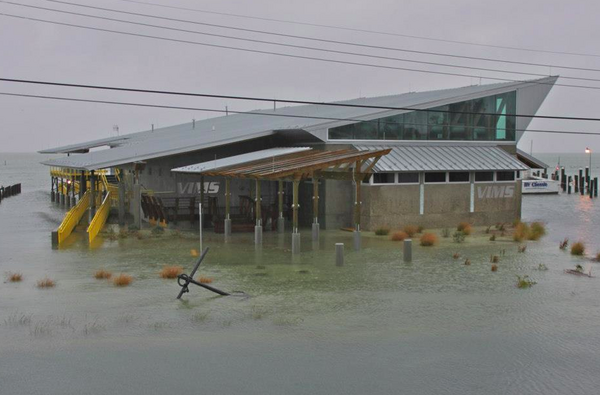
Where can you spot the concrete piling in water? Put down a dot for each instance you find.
(570, 181)
(295, 243)
(595, 186)
(315, 231)
(576, 183)
(591, 188)
(339, 254)
(581, 191)
(258, 234)
(227, 228)
(280, 224)
(357, 241)
(587, 178)
(407, 250)
(563, 179)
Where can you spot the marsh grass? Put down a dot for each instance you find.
(465, 228)
(428, 239)
(542, 267)
(564, 244)
(493, 237)
(524, 282)
(14, 277)
(494, 268)
(382, 231)
(42, 328)
(456, 255)
(102, 274)
(578, 248)
(445, 233)
(171, 271)
(90, 328)
(521, 232)
(467, 262)
(45, 283)
(205, 280)
(494, 259)
(536, 231)
(522, 249)
(411, 230)
(458, 237)
(122, 280)
(597, 259)
(399, 236)
(199, 317)
(258, 312)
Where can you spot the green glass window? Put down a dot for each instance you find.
(490, 118)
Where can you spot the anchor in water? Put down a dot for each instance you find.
(184, 280)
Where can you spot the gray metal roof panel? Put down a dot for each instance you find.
(539, 164)
(210, 132)
(444, 158)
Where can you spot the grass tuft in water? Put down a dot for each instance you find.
(205, 280)
(102, 275)
(536, 231)
(18, 319)
(494, 267)
(382, 231)
(445, 233)
(122, 280)
(411, 230)
(493, 237)
(456, 255)
(467, 262)
(45, 283)
(524, 282)
(578, 248)
(522, 249)
(458, 237)
(465, 228)
(199, 317)
(14, 277)
(494, 259)
(564, 244)
(399, 236)
(428, 239)
(542, 267)
(521, 232)
(171, 271)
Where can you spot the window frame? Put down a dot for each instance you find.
(394, 174)
(485, 171)
(435, 182)
(459, 182)
(505, 171)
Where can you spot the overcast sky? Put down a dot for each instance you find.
(35, 50)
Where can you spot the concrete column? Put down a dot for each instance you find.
(339, 254)
(227, 229)
(280, 224)
(315, 231)
(258, 235)
(52, 193)
(295, 206)
(315, 224)
(407, 250)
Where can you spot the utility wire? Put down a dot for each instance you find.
(292, 55)
(289, 101)
(363, 30)
(295, 46)
(70, 99)
(322, 39)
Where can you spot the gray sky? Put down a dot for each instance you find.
(34, 50)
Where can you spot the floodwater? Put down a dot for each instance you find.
(376, 325)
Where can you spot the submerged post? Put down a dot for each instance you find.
(122, 198)
(339, 254)
(576, 183)
(295, 205)
(280, 219)
(315, 224)
(227, 210)
(563, 179)
(52, 195)
(407, 250)
(587, 177)
(581, 188)
(569, 185)
(595, 186)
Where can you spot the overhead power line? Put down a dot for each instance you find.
(378, 66)
(293, 45)
(288, 101)
(365, 30)
(253, 113)
(237, 28)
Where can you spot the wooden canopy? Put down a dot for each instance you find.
(335, 164)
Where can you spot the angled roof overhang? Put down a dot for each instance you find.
(530, 160)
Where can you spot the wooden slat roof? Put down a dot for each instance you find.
(296, 165)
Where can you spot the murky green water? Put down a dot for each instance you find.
(376, 325)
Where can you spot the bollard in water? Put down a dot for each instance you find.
(295, 243)
(315, 231)
(596, 187)
(569, 185)
(563, 179)
(339, 254)
(357, 241)
(280, 224)
(576, 183)
(227, 228)
(407, 250)
(258, 235)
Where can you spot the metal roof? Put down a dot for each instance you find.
(444, 158)
(301, 164)
(238, 159)
(202, 134)
(530, 160)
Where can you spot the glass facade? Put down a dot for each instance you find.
(489, 118)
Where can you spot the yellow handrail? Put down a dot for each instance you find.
(73, 217)
(99, 219)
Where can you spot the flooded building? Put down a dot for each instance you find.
(424, 158)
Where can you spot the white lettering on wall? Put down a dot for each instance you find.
(496, 192)
(193, 188)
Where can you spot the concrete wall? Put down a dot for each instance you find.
(445, 205)
(338, 204)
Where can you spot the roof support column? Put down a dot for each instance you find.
(227, 210)
(92, 194)
(82, 183)
(258, 227)
(280, 219)
(122, 198)
(357, 206)
(52, 194)
(295, 206)
(315, 224)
